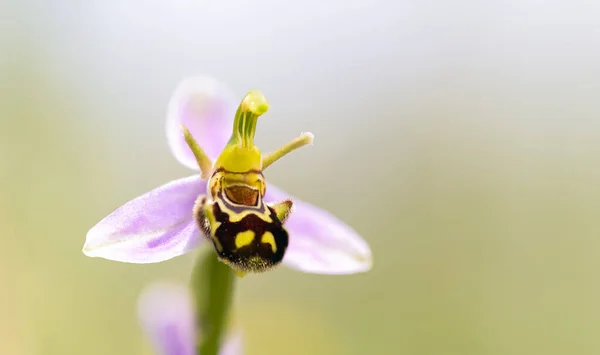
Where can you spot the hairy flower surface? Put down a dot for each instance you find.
(252, 224)
(166, 314)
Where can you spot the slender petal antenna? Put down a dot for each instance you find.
(298, 142)
(204, 162)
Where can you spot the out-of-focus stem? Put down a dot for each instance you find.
(212, 284)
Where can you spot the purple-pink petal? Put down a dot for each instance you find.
(319, 242)
(154, 227)
(167, 316)
(166, 313)
(207, 108)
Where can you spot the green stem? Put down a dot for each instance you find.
(212, 285)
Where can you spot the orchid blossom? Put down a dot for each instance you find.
(178, 216)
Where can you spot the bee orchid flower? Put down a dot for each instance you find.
(166, 314)
(252, 225)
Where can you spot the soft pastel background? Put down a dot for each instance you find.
(460, 138)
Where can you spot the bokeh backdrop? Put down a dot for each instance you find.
(466, 133)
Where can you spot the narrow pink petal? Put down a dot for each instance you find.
(154, 227)
(207, 108)
(319, 242)
(166, 313)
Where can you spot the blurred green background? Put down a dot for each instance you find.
(467, 133)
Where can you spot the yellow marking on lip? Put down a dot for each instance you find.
(243, 239)
(268, 238)
(217, 242)
(262, 213)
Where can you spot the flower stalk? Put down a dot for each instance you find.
(212, 284)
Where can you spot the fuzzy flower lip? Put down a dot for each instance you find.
(159, 224)
(166, 314)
